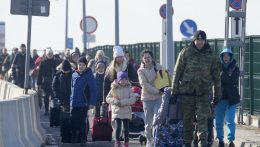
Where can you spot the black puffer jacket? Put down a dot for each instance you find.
(61, 87)
(46, 73)
(229, 83)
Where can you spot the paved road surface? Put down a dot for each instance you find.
(245, 136)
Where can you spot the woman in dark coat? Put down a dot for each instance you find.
(61, 85)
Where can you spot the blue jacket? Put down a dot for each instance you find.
(83, 89)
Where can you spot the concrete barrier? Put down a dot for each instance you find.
(36, 114)
(11, 130)
(19, 118)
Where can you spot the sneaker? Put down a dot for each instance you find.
(221, 144)
(117, 144)
(231, 144)
(126, 144)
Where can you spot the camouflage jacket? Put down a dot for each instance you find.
(197, 72)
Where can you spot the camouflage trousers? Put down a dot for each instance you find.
(200, 106)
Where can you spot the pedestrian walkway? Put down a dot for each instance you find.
(245, 136)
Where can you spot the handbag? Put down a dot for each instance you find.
(162, 79)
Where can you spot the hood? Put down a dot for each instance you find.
(115, 85)
(226, 50)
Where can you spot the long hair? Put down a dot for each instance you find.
(147, 52)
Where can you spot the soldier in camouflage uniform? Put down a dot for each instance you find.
(196, 74)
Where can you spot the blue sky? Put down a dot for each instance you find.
(139, 21)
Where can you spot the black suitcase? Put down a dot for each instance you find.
(54, 116)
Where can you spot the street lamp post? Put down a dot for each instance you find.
(66, 24)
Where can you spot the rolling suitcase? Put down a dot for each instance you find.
(101, 123)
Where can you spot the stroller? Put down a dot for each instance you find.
(136, 125)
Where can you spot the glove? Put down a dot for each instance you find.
(214, 101)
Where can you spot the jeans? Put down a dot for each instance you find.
(224, 110)
(118, 126)
(150, 110)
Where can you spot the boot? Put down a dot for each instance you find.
(82, 141)
(126, 144)
(231, 144)
(221, 144)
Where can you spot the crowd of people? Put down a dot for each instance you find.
(81, 83)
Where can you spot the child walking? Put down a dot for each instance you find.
(121, 97)
(99, 76)
(83, 97)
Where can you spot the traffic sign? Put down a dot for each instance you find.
(91, 24)
(236, 27)
(90, 38)
(39, 7)
(235, 4)
(188, 27)
(69, 43)
(163, 11)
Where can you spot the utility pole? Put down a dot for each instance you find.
(170, 53)
(240, 14)
(28, 48)
(85, 27)
(116, 22)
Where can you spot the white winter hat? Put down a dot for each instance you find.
(118, 51)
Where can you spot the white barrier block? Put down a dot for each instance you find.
(13, 92)
(38, 120)
(3, 90)
(10, 124)
(27, 115)
(36, 132)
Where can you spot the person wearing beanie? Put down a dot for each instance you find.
(226, 107)
(99, 76)
(196, 76)
(119, 63)
(100, 56)
(61, 85)
(47, 71)
(120, 97)
(83, 97)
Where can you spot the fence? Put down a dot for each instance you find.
(251, 100)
